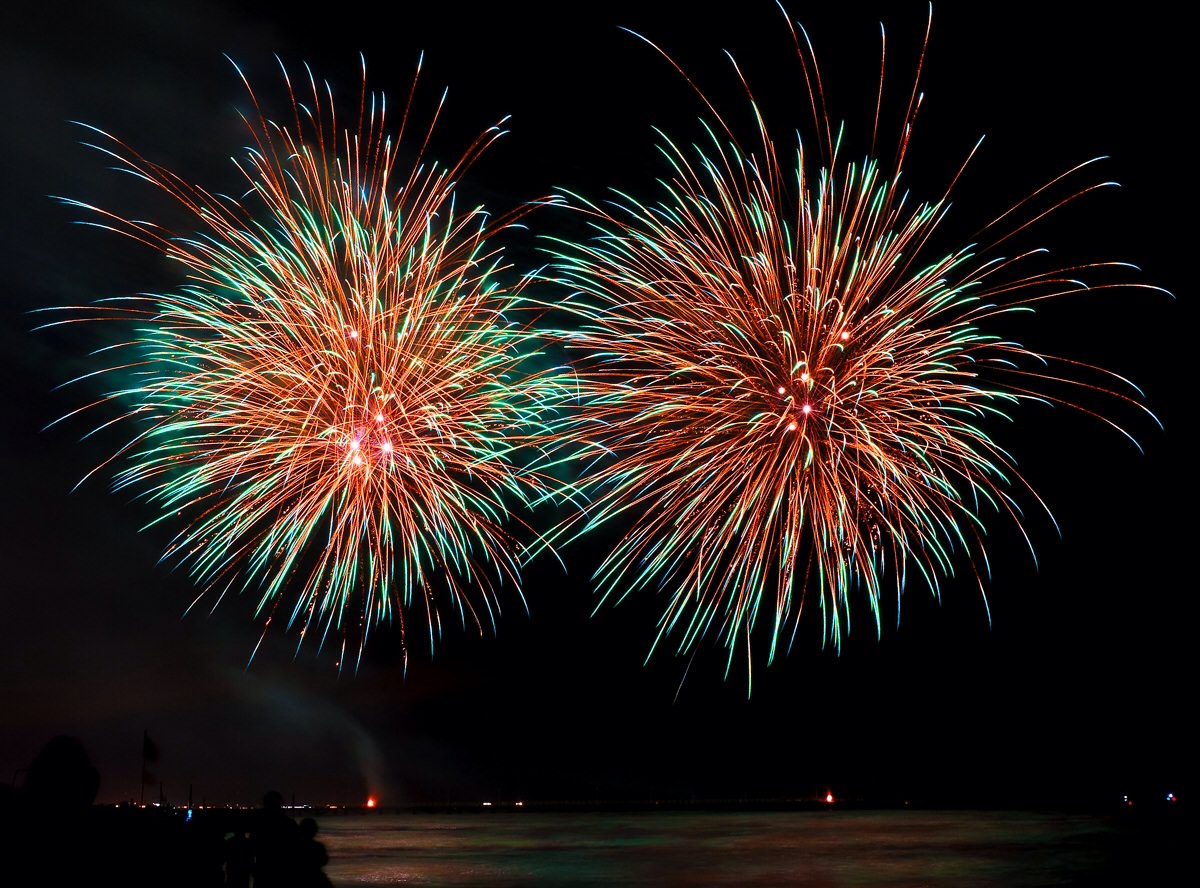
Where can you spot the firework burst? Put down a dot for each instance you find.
(335, 401)
(784, 395)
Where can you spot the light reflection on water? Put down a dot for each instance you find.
(834, 849)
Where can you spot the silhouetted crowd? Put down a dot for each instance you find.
(52, 833)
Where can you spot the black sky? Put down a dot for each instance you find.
(1080, 683)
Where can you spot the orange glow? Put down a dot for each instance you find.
(829, 798)
(371, 801)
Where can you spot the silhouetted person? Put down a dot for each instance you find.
(61, 778)
(311, 858)
(274, 841)
(239, 859)
(48, 832)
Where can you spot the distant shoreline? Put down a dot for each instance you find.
(1119, 808)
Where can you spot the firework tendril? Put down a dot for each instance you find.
(784, 396)
(336, 401)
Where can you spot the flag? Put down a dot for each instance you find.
(149, 754)
(149, 749)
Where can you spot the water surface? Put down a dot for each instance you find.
(827, 849)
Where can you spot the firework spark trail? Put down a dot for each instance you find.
(338, 399)
(782, 395)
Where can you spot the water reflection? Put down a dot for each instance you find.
(820, 849)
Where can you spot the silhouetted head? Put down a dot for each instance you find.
(308, 827)
(273, 801)
(62, 776)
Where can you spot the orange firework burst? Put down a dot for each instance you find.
(784, 394)
(336, 399)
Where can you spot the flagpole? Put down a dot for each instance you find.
(142, 776)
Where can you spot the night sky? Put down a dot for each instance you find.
(1080, 687)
